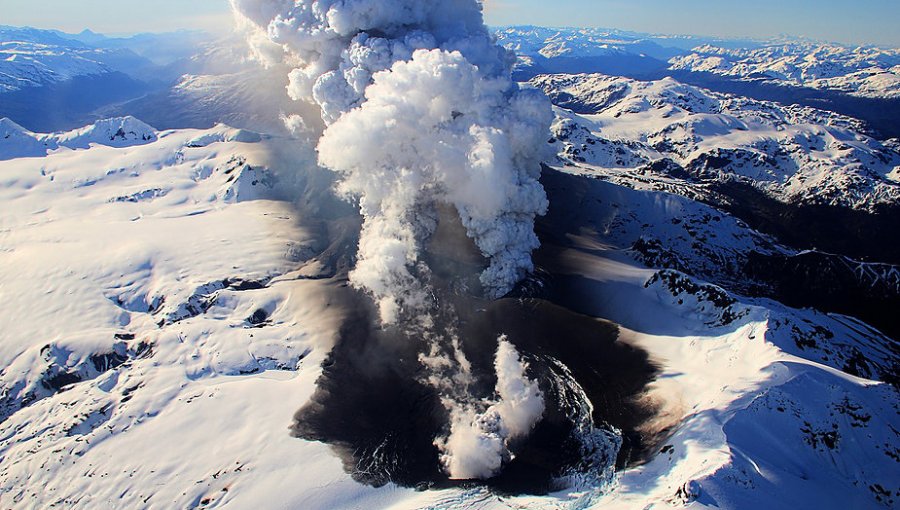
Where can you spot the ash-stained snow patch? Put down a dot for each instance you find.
(713, 305)
(723, 358)
(579, 401)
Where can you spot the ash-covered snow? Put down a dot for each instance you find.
(142, 371)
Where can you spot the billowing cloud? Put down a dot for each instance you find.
(422, 116)
(420, 110)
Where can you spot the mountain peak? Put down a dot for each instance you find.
(117, 131)
(6, 124)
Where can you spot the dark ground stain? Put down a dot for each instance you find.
(372, 407)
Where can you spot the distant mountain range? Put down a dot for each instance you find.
(164, 76)
(861, 82)
(860, 71)
(53, 81)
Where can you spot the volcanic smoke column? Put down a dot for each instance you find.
(422, 116)
(420, 111)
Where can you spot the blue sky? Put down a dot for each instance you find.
(856, 22)
(117, 16)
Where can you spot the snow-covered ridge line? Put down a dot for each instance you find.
(17, 142)
(863, 71)
(580, 42)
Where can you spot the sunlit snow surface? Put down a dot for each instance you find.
(165, 315)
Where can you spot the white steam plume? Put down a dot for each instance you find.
(478, 444)
(420, 110)
(420, 114)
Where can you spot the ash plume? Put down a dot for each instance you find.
(421, 116)
(420, 110)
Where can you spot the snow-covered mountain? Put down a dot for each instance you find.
(864, 72)
(173, 300)
(809, 178)
(859, 71)
(35, 58)
(18, 142)
(794, 154)
(591, 42)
